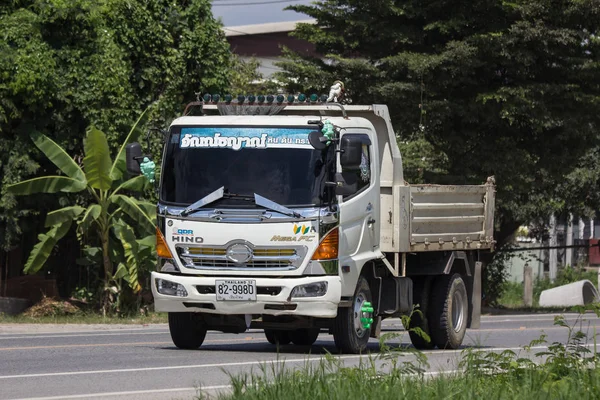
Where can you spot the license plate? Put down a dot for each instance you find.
(235, 290)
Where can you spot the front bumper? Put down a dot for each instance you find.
(324, 306)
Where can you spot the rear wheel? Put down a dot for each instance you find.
(418, 319)
(304, 337)
(349, 333)
(448, 311)
(277, 336)
(187, 330)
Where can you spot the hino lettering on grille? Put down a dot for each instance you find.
(187, 239)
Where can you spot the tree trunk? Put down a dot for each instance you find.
(108, 270)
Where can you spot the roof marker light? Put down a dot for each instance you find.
(323, 98)
(301, 97)
(270, 98)
(216, 97)
(251, 98)
(241, 98)
(261, 98)
(291, 98)
(314, 97)
(280, 98)
(228, 98)
(206, 98)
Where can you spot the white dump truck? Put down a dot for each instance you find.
(292, 215)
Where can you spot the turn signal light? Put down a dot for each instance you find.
(328, 248)
(162, 250)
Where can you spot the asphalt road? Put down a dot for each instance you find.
(140, 362)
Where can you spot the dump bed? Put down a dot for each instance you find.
(438, 217)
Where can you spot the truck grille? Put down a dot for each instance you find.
(269, 258)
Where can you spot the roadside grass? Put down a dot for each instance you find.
(566, 370)
(360, 383)
(85, 318)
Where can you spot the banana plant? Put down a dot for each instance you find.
(114, 217)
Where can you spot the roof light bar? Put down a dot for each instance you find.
(262, 99)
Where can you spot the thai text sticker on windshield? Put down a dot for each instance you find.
(243, 138)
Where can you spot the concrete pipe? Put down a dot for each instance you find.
(577, 293)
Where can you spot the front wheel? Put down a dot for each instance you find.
(448, 311)
(188, 330)
(277, 336)
(349, 332)
(304, 337)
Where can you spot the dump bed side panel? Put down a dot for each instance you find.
(451, 217)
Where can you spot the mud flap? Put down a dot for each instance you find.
(475, 317)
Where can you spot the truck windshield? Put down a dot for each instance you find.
(277, 163)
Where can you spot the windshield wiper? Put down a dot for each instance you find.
(271, 205)
(211, 198)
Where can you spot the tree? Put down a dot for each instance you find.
(112, 217)
(245, 78)
(509, 89)
(66, 65)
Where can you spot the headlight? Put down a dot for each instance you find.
(170, 288)
(167, 265)
(316, 289)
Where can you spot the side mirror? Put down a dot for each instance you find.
(317, 140)
(133, 157)
(351, 148)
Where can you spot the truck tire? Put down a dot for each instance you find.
(348, 332)
(304, 337)
(448, 311)
(277, 337)
(187, 330)
(418, 319)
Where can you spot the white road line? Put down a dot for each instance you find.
(538, 316)
(133, 392)
(82, 335)
(51, 332)
(173, 367)
(188, 389)
(282, 361)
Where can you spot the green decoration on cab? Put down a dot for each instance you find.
(328, 131)
(147, 167)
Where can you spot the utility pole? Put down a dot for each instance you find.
(553, 254)
(569, 252)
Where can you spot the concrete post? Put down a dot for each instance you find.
(569, 251)
(552, 253)
(581, 228)
(598, 287)
(591, 228)
(528, 286)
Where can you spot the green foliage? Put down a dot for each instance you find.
(508, 89)
(109, 211)
(245, 78)
(512, 295)
(494, 275)
(565, 369)
(67, 65)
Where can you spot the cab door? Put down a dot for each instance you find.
(359, 211)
